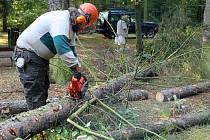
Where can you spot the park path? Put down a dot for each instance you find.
(3, 39)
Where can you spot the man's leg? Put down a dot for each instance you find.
(34, 77)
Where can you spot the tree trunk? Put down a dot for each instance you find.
(181, 92)
(139, 43)
(18, 106)
(114, 86)
(66, 4)
(132, 95)
(52, 114)
(54, 5)
(71, 3)
(5, 10)
(145, 10)
(13, 107)
(4, 19)
(181, 123)
(28, 123)
(206, 35)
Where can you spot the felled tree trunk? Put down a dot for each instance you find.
(181, 123)
(17, 106)
(113, 86)
(13, 107)
(132, 95)
(28, 123)
(52, 114)
(181, 92)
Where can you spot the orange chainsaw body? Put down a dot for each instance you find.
(75, 87)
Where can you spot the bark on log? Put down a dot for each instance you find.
(52, 114)
(28, 123)
(113, 86)
(138, 94)
(18, 106)
(181, 123)
(14, 107)
(181, 92)
(132, 95)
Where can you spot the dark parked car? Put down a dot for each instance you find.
(111, 17)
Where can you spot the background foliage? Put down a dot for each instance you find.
(179, 27)
(22, 12)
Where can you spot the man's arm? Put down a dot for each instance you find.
(65, 49)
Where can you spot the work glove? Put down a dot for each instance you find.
(75, 72)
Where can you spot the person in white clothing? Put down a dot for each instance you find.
(50, 34)
(122, 30)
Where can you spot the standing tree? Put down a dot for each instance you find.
(145, 9)
(5, 6)
(139, 43)
(71, 3)
(54, 5)
(206, 35)
(66, 4)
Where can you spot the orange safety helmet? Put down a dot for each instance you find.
(89, 9)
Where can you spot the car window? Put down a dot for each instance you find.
(115, 17)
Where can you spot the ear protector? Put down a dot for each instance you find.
(82, 19)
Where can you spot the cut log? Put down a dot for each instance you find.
(181, 123)
(138, 94)
(28, 123)
(14, 107)
(181, 92)
(113, 86)
(18, 106)
(105, 91)
(132, 95)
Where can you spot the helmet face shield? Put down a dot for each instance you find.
(88, 18)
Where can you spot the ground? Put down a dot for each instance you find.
(147, 111)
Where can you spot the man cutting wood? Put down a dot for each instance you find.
(50, 34)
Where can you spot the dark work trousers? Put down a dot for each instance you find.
(34, 77)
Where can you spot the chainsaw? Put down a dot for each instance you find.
(77, 88)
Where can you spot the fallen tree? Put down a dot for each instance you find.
(105, 91)
(14, 107)
(31, 122)
(181, 123)
(181, 92)
(131, 95)
(18, 106)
